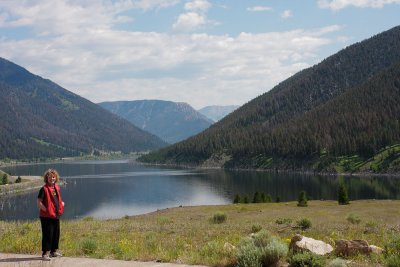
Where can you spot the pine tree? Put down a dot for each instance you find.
(263, 197)
(302, 200)
(236, 199)
(343, 197)
(4, 180)
(257, 197)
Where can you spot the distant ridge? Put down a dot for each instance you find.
(41, 119)
(216, 113)
(267, 132)
(171, 121)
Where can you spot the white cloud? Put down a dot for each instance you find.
(340, 4)
(149, 4)
(195, 18)
(189, 22)
(197, 6)
(286, 14)
(68, 16)
(259, 8)
(101, 63)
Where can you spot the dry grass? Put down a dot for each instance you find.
(188, 235)
(28, 183)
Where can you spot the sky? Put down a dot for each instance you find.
(202, 52)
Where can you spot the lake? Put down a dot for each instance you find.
(113, 189)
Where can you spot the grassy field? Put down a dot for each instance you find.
(189, 234)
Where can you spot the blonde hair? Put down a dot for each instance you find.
(47, 174)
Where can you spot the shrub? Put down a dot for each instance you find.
(262, 238)
(278, 199)
(4, 179)
(236, 199)
(261, 250)
(306, 259)
(353, 218)
(392, 251)
(283, 221)
(256, 228)
(393, 261)
(219, 217)
(88, 246)
(304, 223)
(245, 200)
(392, 246)
(302, 200)
(18, 180)
(343, 198)
(248, 254)
(273, 252)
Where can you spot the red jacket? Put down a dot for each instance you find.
(48, 201)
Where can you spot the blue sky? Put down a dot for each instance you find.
(222, 52)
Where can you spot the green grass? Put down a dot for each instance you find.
(387, 160)
(187, 235)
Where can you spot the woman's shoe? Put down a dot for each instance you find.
(55, 254)
(46, 257)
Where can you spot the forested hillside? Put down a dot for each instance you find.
(171, 121)
(299, 120)
(38, 118)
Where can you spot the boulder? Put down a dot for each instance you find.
(352, 247)
(376, 250)
(301, 243)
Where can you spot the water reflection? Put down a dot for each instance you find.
(111, 189)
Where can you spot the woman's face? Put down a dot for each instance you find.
(51, 179)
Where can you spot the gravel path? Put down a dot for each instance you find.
(22, 260)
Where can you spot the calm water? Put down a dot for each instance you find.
(112, 189)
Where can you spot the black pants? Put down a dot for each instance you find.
(50, 234)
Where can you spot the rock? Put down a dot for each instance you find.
(376, 250)
(301, 243)
(229, 247)
(352, 247)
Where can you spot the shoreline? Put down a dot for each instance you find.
(28, 184)
(309, 172)
(134, 160)
(31, 183)
(111, 156)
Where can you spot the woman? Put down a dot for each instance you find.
(51, 208)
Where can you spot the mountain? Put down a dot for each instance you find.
(172, 122)
(216, 113)
(41, 119)
(269, 131)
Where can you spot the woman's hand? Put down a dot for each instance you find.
(40, 205)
